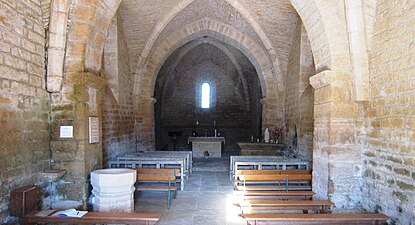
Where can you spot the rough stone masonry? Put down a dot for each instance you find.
(339, 75)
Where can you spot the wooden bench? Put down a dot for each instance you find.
(315, 219)
(155, 164)
(321, 206)
(264, 162)
(95, 218)
(271, 172)
(161, 158)
(165, 171)
(158, 180)
(273, 182)
(24, 204)
(282, 195)
(187, 154)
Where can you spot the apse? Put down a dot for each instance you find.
(206, 88)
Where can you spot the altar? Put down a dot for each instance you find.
(248, 148)
(206, 146)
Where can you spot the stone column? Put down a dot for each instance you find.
(79, 99)
(145, 124)
(337, 172)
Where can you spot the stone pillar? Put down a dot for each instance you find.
(79, 99)
(113, 190)
(337, 172)
(145, 124)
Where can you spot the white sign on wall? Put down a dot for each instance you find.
(66, 132)
(93, 129)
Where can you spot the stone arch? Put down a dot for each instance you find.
(327, 32)
(84, 52)
(333, 151)
(223, 48)
(234, 3)
(145, 81)
(220, 31)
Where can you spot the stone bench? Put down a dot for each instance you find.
(315, 219)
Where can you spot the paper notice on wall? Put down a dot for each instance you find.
(66, 132)
(93, 129)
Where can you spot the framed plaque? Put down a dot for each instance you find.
(93, 129)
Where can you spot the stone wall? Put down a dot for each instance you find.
(24, 103)
(300, 97)
(118, 115)
(389, 129)
(178, 94)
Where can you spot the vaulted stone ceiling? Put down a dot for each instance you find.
(277, 20)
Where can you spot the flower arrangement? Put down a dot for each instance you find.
(277, 131)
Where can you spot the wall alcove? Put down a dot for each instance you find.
(234, 96)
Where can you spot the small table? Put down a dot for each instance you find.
(211, 145)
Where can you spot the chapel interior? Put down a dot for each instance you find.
(328, 83)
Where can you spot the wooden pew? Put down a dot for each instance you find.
(164, 171)
(321, 206)
(271, 172)
(24, 204)
(157, 164)
(273, 182)
(187, 154)
(159, 157)
(265, 162)
(282, 195)
(315, 219)
(96, 218)
(163, 182)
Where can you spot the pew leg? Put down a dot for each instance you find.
(323, 210)
(169, 200)
(25, 222)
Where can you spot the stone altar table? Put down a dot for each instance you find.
(211, 145)
(253, 148)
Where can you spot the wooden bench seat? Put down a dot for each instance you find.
(24, 204)
(320, 206)
(274, 182)
(271, 172)
(96, 218)
(314, 219)
(164, 171)
(251, 195)
(158, 182)
(274, 188)
(154, 164)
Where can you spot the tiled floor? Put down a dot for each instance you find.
(205, 200)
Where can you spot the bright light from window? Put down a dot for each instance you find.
(205, 96)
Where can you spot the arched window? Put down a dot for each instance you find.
(205, 96)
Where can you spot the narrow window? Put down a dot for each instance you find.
(205, 96)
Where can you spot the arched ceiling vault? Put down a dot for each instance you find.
(220, 31)
(183, 51)
(273, 30)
